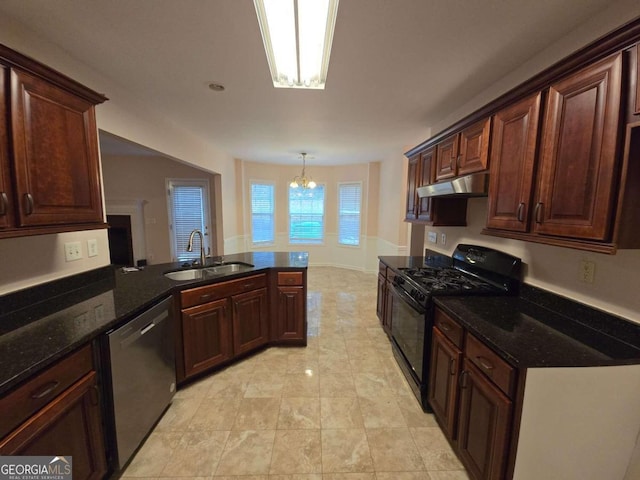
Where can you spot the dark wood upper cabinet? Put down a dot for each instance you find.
(412, 185)
(446, 158)
(6, 208)
(49, 162)
(578, 155)
(465, 152)
(55, 153)
(474, 148)
(427, 162)
(513, 153)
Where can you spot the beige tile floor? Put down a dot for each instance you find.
(338, 409)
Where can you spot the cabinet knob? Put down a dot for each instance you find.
(28, 203)
(520, 212)
(538, 212)
(458, 161)
(4, 203)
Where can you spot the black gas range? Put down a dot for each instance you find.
(471, 270)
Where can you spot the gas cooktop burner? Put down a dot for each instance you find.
(449, 280)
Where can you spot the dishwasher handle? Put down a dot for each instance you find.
(139, 332)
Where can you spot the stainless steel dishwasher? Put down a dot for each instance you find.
(143, 380)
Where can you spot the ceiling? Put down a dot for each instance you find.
(397, 66)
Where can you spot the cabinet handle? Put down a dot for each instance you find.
(462, 380)
(458, 161)
(205, 296)
(45, 390)
(520, 212)
(248, 285)
(452, 366)
(484, 363)
(445, 327)
(451, 164)
(28, 203)
(538, 211)
(4, 202)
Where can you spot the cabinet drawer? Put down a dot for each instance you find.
(26, 400)
(289, 278)
(499, 371)
(209, 293)
(449, 327)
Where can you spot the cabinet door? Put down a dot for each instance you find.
(474, 148)
(206, 336)
(427, 162)
(637, 79)
(6, 214)
(250, 320)
(483, 425)
(578, 159)
(388, 308)
(443, 381)
(381, 297)
(412, 194)
(291, 322)
(55, 151)
(70, 425)
(513, 153)
(446, 157)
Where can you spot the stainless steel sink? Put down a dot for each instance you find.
(202, 273)
(191, 274)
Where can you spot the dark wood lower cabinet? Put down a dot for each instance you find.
(206, 332)
(443, 381)
(484, 423)
(70, 425)
(250, 320)
(291, 313)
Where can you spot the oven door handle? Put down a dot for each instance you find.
(404, 296)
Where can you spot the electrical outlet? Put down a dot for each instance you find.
(433, 237)
(92, 247)
(72, 251)
(443, 238)
(587, 271)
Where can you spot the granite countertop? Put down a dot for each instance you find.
(34, 335)
(538, 328)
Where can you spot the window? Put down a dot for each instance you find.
(306, 215)
(188, 211)
(262, 208)
(349, 201)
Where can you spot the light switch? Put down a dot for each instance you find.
(92, 247)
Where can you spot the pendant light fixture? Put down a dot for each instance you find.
(302, 180)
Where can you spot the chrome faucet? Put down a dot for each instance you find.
(190, 245)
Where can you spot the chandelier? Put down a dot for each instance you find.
(302, 180)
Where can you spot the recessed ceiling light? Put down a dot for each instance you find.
(216, 87)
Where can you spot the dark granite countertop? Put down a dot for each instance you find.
(538, 328)
(35, 333)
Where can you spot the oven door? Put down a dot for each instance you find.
(408, 330)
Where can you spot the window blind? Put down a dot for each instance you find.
(349, 202)
(188, 215)
(306, 215)
(262, 213)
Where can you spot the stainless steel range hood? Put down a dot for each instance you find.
(474, 185)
